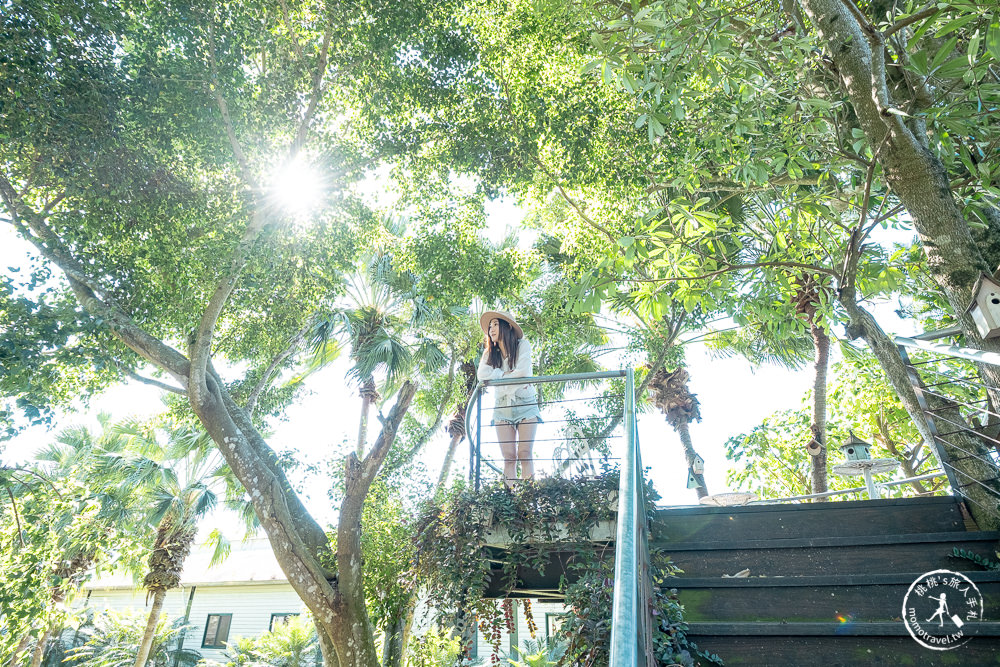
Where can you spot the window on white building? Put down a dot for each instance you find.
(281, 619)
(216, 631)
(553, 624)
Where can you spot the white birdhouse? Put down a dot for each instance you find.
(698, 465)
(985, 306)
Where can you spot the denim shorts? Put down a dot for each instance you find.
(520, 407)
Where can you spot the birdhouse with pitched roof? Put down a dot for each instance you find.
(856, 449)
(985, 306)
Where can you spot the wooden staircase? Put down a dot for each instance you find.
(826, 582)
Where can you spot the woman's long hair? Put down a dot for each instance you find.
(510, 342)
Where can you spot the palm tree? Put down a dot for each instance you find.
(110, 638)
(791, 349)
(456, 425)
(180, 478)
(680, 407)
(86, 516)
(372, 319)
(808, 293)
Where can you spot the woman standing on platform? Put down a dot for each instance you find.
(516, 414)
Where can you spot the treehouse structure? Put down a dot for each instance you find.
(793, 581)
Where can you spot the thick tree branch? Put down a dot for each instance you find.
(310, 532)
(294, 536)
(910, 20)
(317, 92)
(373, 461)
(201, 349)
(33, 229)
(358, 477)
(86, 290)
(137, 339)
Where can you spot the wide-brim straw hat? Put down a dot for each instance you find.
(484, 321)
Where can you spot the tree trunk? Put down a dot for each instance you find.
(690, 455)
(300, 545)
(368, 395)
(147, 638)
(39, 652)
(915, 175)
(350, 627)
(982, 495)
(821, 345)
(448, 458)
(326, 647)
(15, 657)
(397, 635)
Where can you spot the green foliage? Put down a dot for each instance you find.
(451, 262)
(587, 627)
(112, 639)
(388, 549)
(434, 648)
(46, 353)
(538, 653)
(61, 523)
(772, 458)
(290, 644)
(451, 533)
(535, 517)
(981, 561)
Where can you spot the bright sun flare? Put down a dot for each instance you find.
(296, 187)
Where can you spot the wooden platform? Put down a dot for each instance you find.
(826, 581)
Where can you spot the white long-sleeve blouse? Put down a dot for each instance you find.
(523, 368)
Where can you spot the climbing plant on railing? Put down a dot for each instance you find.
(456, 567)
(588, 626)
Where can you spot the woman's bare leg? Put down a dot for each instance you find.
(525, 440)
(507, 436)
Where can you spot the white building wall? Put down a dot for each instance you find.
(124, 599)
(251, 606)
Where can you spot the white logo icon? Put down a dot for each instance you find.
(938, 606)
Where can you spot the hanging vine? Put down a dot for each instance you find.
(552, 515)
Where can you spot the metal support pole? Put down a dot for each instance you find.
(479, 437)
(870, 483)
(625, 622)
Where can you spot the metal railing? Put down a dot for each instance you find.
(962, 414)
(631, 626)
(582, 442)
(631, 622)
(846, 492)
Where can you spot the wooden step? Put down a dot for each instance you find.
(844, 598)
(935, 514)
(827, 556)
(837, 645)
